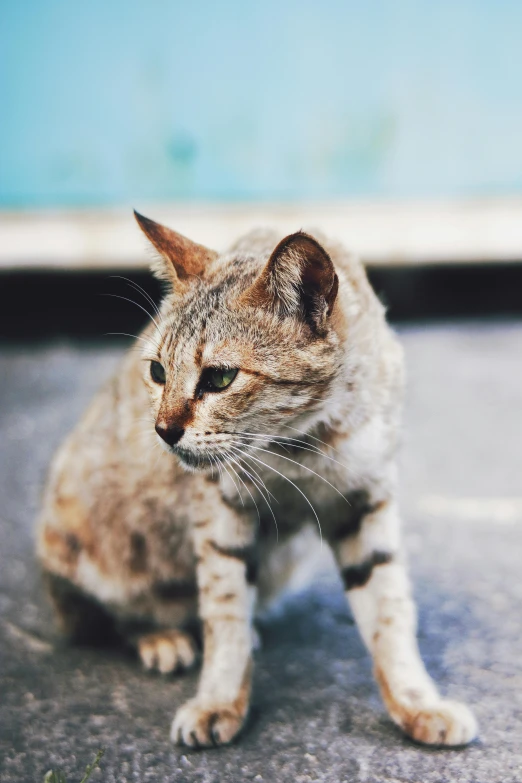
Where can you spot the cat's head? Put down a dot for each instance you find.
(243, 347)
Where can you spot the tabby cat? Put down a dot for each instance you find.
(267, 372)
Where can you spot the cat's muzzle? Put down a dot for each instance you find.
(190, 459)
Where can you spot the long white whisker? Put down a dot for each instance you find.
(251, 456)
(308, 447)
(246, 487)
(300, 465)
(141, 290)
(307, 435)
(126, 299)
(256, 472)
(216, 464)
(278, 438)
(229, 460)
(269, 436)
(255, 483)
(232, 479)
(126, 334)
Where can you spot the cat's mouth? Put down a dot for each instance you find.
(191, 460)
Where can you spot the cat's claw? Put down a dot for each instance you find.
(448, 723)
(167, 651)
(200, 725)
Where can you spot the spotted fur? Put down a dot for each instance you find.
(159, 536)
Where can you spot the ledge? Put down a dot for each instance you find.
(384, 234)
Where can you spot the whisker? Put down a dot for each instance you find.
(231, 459)
(306, 434)
(233, 481)
(327, 445)
(317, 450)
(307, 447)
(243, 459)
(139, 349)
(220, 466)
(141, 290)
(251, 456)
(126, 334)
(214, 464)
(300, 465)
(259, 484)
(126, 299)
(259, 477)
(247, 489)
(278, 438)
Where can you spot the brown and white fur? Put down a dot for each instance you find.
(160, 536)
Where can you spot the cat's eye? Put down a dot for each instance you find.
(216, 379)
(157, 372)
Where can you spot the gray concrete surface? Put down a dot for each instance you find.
(317, 715)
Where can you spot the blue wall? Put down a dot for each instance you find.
(120, 101)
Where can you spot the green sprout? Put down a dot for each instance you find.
(59, 777)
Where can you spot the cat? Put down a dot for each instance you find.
(267, 372)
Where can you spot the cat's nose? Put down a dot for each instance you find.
(170, 435)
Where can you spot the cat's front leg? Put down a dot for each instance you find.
(226, 571)
(378, 591)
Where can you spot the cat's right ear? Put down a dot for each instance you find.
(179, 258)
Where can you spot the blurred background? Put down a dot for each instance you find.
(395, 126)
(126, 102)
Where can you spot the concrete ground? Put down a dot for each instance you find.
(317, 715)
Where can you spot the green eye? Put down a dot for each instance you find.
(157, 373)
(216, 379)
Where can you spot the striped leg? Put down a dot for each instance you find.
(378, 590)
(226, 578)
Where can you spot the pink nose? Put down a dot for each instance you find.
(170, 435)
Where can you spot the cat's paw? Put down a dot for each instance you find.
(200, 725)
(447, 723)
(167, 651)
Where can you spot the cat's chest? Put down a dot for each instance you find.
(289, 487)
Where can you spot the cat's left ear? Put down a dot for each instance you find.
(299, 278)
(180, 258)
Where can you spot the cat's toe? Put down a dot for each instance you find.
(202, 726)
(167, 651)
(445, 723)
